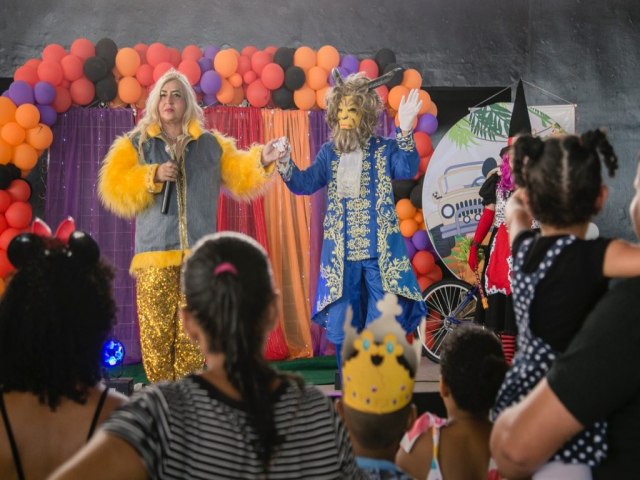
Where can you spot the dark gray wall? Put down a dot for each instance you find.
(584, 51)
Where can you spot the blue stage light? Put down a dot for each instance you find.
(112, 353)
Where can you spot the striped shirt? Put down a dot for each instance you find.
(189, 429)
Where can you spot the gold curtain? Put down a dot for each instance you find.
(288, 219)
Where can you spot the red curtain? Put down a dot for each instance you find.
(245, 125)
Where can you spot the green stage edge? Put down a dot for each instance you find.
(315, 371)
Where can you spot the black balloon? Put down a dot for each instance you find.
(283, 98)
(107, 49)
(397, 78)
(5, 177)
(14, 172)
(107, 89)
(402, 188)
(24, 248)
(95, 68)
(384, 57)
(284, 57)
(416, 196)
(294, 78)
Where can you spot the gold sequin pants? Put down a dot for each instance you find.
(167, 352)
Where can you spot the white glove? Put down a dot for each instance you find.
(408, 110)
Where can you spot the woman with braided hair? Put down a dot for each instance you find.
(238, 419)
(558, 275)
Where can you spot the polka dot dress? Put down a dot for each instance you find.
(535, 357)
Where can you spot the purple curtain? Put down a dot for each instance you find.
(82, 137)
(319, 134)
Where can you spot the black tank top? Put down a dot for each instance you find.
(12, 441)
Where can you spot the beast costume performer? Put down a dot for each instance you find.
(363, 253)
(162, 240)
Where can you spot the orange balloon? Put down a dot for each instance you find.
(433, 109)
(127, 61)
(235, 80)
(191, 70)
(408, 227)
(6, 152)
(396, 94)
(27, 74)
(305, 58)
(71, 67)
(411, 78)
(419, 217)
(238, 96)
(423, 143)
(317, 77)
(321, 98)
(62, 101)
(40, 137)
(7, 110)
(369, 67)
(27, 115)
(82, 91)
(129, 90)
(13, 134)
(51, 72)
(425, 98)
(25, 156)
(304, 98)
(328, 57)
(226, 93)
(405, 209)
(226, 64)
(191, 52)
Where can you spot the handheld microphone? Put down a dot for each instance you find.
(166, 198)
(176, 151)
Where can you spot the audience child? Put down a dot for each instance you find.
(55, 316)
(472, 367)
(238, 419)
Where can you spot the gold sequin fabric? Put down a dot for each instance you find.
(167, 352)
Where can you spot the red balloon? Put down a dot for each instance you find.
(82, 91)
(191, 70)
(157, 53)
(53, 53)
(5, 265)
(272, 76)
(19, 190)
(5, 201)
(191, 52)
(51, 72)
(259, 60)
(257, 94)
(174, 56)
(71, 67)
(424, 282)
(423, 143)
(244, 65)
(83, 48)
(3, 223)
(7, 235)
(28, 74)
(423, 262)
(63, 100)
(18, 215)
(369, 67)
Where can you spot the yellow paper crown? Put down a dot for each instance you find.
(374, 380)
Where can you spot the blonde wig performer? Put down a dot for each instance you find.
(363, 254)
(167, 173)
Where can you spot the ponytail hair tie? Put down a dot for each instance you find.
(225, 267)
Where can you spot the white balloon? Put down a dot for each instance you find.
(592, 231)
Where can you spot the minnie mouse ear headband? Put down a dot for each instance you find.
(373, 84)
(77, 246)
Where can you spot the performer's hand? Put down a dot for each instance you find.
(276, 149)
(473, 257)
(408, 111)
(167, 171)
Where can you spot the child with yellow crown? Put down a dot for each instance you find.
(378, 370)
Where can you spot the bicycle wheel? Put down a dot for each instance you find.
(450, 303)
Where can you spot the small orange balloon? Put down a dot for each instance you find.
(395, 95)
(127, 61)
(305, 58)
(321, 98)
(129, 90)
(25, 156)
(7, 110)
(411, 78)
(328, 57)
(419, 217)
(13, 134)
(226, 92)
(317, 77)
(40, 137)
(304, 98)
(433, 109)
(425, 98)
(235, 80)
(6, 152)
(238, 96)
(405, 209)
(408, 227)
(226, 64)
(27, 115)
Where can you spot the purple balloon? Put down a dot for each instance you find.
(343, 73)
(6, 94)
(411, 250)
(205, 63)
(350, 63)
(210, 99)
(210, 51)
(427, 123)
(210, 82)
(21, 92)
(197, 88)
(420, 240)
(44, 93)
(48, 114)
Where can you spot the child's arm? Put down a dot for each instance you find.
(518, 219)
(621, 259)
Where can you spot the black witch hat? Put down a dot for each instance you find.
(520, 122)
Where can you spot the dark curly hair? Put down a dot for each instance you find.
(231, 307)
(562, 175)
(55, 316)
(473, 366)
